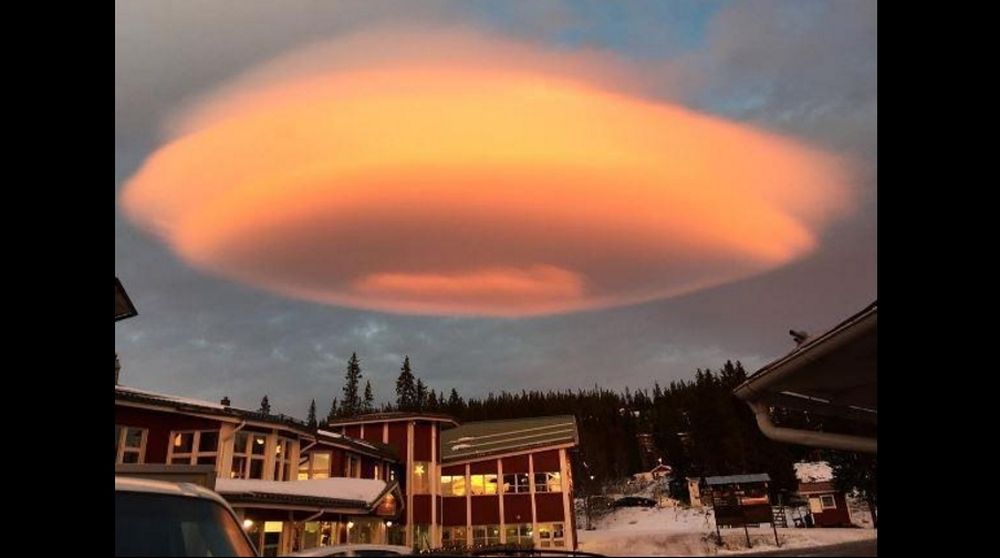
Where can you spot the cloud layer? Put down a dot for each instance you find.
(456, 173)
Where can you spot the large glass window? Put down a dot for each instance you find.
(352, 467)
(196, 447)
(519, 533)
(283, 459)
(248, 455)
(551, 535)
(421, 477)
(453, 485)
(315, 466)
(548, 482)
(454, 537)
(516, 482)
(130, 444)
(482, 484)
(422, 537)
(485, 535)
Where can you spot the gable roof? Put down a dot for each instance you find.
(736, 479)
(479, 439)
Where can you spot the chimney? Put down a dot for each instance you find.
(225, 401)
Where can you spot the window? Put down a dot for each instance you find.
(422, 536)
(482, 484)
(828, 502)
(197, 447)
(485, 535)
(283, 459)
(315, 466)
(248, 455)
(130, 444)
(421, 477)
(519, 533)
(517, 482)
(547, 482)
(454, 537)
(352, 467)
(453, 485)
(551, 535)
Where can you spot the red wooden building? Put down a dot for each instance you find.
(827, 505)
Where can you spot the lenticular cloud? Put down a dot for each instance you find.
(457, 174)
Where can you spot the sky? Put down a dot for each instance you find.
(659, 187)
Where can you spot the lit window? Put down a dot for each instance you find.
(283, 459)
(454, 537)
(482, 484)
(547, 482)
(315, 466)
(453, 485)
(519, 533)
(194, 447)
(485, 535)
(130, 444)
(551, 535)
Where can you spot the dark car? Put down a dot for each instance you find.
(635, 502)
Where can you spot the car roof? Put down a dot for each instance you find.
(328, 550)
(133, 484)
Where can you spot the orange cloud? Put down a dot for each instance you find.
(509, 181)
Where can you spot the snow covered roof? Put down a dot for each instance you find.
(391, 417)
(165, 397)
(814, 471)
(345, 491)
(477, 439)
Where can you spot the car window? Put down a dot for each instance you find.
(165, 525)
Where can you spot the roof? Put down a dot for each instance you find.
(184, 404)
(391, 417)
(123, 304)
(737, 479)
(832, 374)
(336, 491)
(477, 439)
(815, 471)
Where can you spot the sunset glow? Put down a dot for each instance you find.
(435, 185)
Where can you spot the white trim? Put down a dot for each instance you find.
(531, 491)
(120, 448)
(503, 530)
(468, 500)
(409, 483)
(434, 488)
(823, 504)
(567, 507)
(527, 451)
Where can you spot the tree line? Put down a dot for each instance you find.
(698, 426)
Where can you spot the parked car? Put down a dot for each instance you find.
(158, 518)
(635, 502)
(355, 550)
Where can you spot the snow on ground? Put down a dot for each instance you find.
(681, 531)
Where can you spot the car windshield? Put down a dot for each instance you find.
(164, 525)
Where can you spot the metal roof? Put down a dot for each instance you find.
(476, 439)
(737, 479)
(833, 374)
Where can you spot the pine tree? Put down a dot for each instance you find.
(334, 411)
(265, 406)
(421, 401)
(432, 402)
(311, 420)
(406, 391)
(352, 398)
(455, 403)
(369, 404)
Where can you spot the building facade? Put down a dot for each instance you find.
(414, 479)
